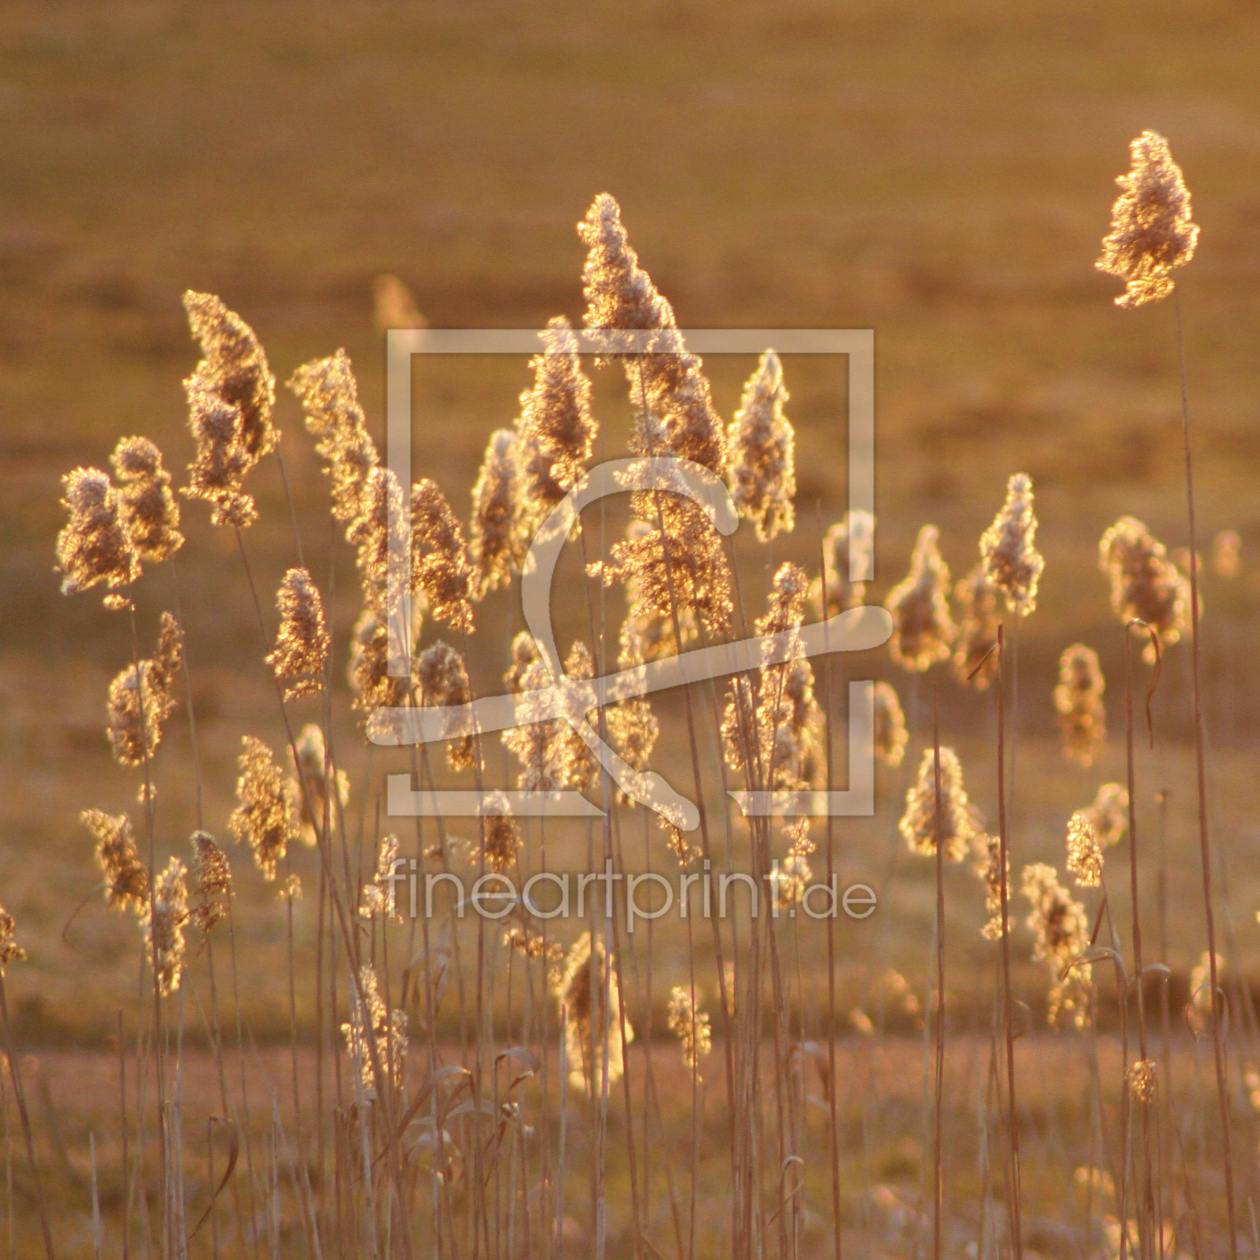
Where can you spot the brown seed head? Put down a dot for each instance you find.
(264, 818)
(1006, 548)
(1079, 704)
(126, 879)
(1140, 1079)
(140, 700)
(302, 642)
(163, 925)
(10, 950)
(149, 511)
(439, 560)
(492, 543)
(441, 678)
(1060, 927)
(959, 822)
(95, 545)
(218, 470)
(977, 595)
(211, 882)
(762, 446)
(922, 628)
(500, 843)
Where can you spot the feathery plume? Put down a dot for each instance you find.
(501, 843)
(95, 545)
(234, 367)
(631, 725)
(329, 395)
(1084, 852)
(959, 820)
(302, 642)
(1140, 1079)
(140, 698)
(393, 306)
(1079, 704)
(378, 529)
(790, 880)
(762, 447)
(264, 819)
(852, 538)
(211, 882)
(1006, 548)
(1144, 583)
(148, 510)
(126, 878)
(1060, 927)
(524, 654)
(1151, 229)
(380, 894)
(10, 950)
(690, 1025)
(376, 1027)
(1109, 814)
(588, 1024)
(441, 677)
(987, 865)
(218, 470)
(977, 595)
(368, 673)
(492, 544)
(890, 733)
(922, 628)
(312, 769)
(439, 564)
(163, 924)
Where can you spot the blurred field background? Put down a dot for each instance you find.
(942, 174)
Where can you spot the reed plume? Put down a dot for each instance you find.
(1109, 814)
(1151, 228)
(217, 473)
(393, 306)
(501, 842)
(1199, 1007)
(368, 672)
(313, 771)
(126, 877)
(439, 563)
(302, 641)
(378, 1029)
(492, 544)
(1084, 852)
(265, 815)
(141, 698)
(380, 892)
(1226, 562)
(890, 734)
(959, 821)
(149, 511)
(922, 627)
(1007, 549)
(987, 864)
(1145, 584)
(1060, 928)
(690, 1025)
(1079, 704)
(10, 950)
(211, 882)
(762, 451)
(975, 660)
(1140, 1078)
(790, 879)
(850, 539)
(524, 654)
(163, 923)
(581, 1003)
(376, 532)
(441, 678)
(631, 725)
(94, 546)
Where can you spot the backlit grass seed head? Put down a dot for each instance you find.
(1109, 814)
(265, 816)
(374, 1028)
(126, 877)
(393, 305)
(441, 678)
(1151, 228)
(890, 733)
(977, 596)
(1060, 929)
(141, 699)
(762, 447)
(1079, 704)
(922, 627)
(1144, 583)
(10, 950)
(631, 725)
(1225, 559)
(234, 367)
(379, 529)
(94, 546)
(211, 882)
(149, 511)
(218, 470)
(439, 562)
(302, 642)
(589, 1023)
(958, 823)
(652, 630)
(380, 893)
(1007, 548)
(368, 673)
(1140, 1079)
(329, 395)
(850, 539)
(987, 863)
(690, 1025)
(163, 923)
(524, 654)
(1084, 852)
(501, 842)
(1199, 1008)
(492, 544)
(313, 770)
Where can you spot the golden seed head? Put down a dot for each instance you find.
(264, 818)
(373, 1027)
(94, 546)
(141, 699)
(302, 642)
(393, 306)
(329, 395)
(312, 770)
(163, 924)
(524, 654)
(441, 678)
(126, 878)
(211, 882)
(922, 627)
(975, 658)
(148, 509)
(588, 1022)
(762, 446)
(375, 531)
(1010, 559)
(958, 822)
(690, 1025)
(987, 863)
(849, 540)
(1151, 228)
(380, 895)
(439, 562)
(1199, 1008)
(1084, 852)
(1109, 814)
(1225, 549)
(1140, 1079)
(500, 843)
(1060, 927)
(1144, 583)
(10, 950)
(890, 734)
(1079, 704)
(373, 686)
(492, 542)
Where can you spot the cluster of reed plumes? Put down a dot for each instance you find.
(492, 1085)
